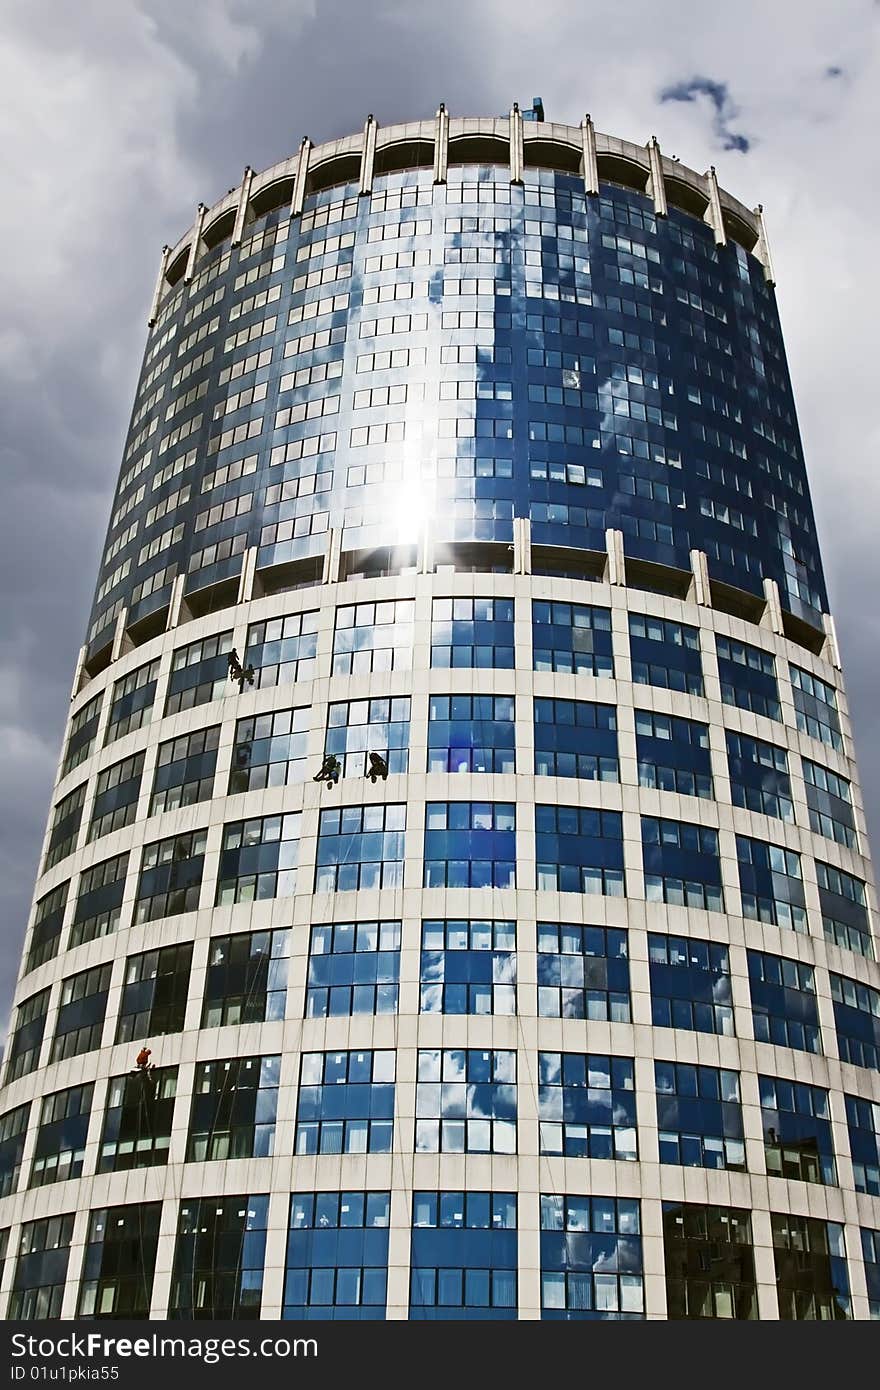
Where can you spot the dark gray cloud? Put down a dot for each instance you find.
(723, 106)
(116, 120)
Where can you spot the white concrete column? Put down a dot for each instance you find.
(762, 247)
(425, 551)
(195, 244)
(713, 214)
(243, 199)
(332, 556)
(77, 675)
(658, 187)
(516, 144)
(774, 607)
(246, 578)
(176, 604)
(368, 154)
(831, 651)
(119, 642)
(160, 284)
(441, 144)
(700, 570)
(522, 545)
(591, 162)
(302, 170)
(616, 561)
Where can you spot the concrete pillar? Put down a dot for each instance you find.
(516, 144)
(425, 551)
(368, 155)
(77, 675)
(774, 608)
(658, 187)
(332, 556)
(522, 545)
(176, 604)
(243, 199)
(246, 578)
(302, 170)
(713, 212)
(591, 162)
(762, 247)
(441, 144)
(195, 244)
(616, 561)
(700, 571)
(831, 651)
(120, 644)
(160, 285)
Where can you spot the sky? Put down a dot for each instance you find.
(118, 116)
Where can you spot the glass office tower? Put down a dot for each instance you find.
(458, 798)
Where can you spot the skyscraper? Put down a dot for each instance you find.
(456, 889)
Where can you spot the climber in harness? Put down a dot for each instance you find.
(239, 673)
(330, 770)
(378, 768)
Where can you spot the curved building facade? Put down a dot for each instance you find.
(470, 445)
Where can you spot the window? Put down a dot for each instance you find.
(571, 637)
(829, 802)
(99, 900)
(185, 770)
(373, 637)
(337, 1256)
(815, 708)
(673, 754)
(63, 832)
(269, 750)
(61, 1136)
(132, 701)
(82, 734)
(171, 876)
(871, 1257)
(360, 847)
(576, 738)
(463, 1256)
(587, 1106)
(354, 968)
(81, 1011)
(119, 1262)
(218, 1258)
(471, 733)
(812, 1282)
(356, 728)
(41, 1269)
(797, 1130)
(258, 859)
(770, 884)
(583, 972)
(13, 1132)
(472, 632)
(26, 1036)
(682, 865)
(863, 1119)
(137, 1120)
(154, 994)
(845, 918)
(234, 1106)
(759, 776)
(468, 967)
(699, 1116)
(665, 653)
(591, 1259)
(710, 1262)
(579, 850)
(784, 1009)
(116, 796)
(466, 1101)
(283, 649)
(690, 984)
(470, 844)
(345, 1103)
(45, 935)
(857, 1021)
(246, 979)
